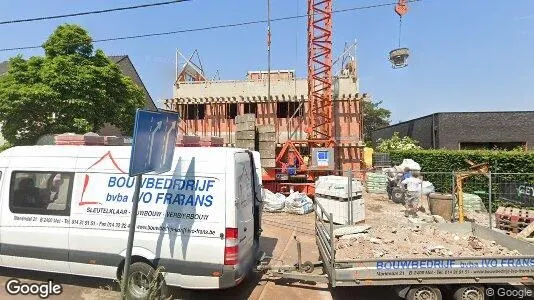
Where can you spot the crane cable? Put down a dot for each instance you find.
(210, 27)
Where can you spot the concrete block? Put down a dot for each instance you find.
(266, 129)
(267, 154)
(245, 118)
(268, 162)
(246, 126)
(245, 135)
(271, 146)
(247, 144)
(267, 137)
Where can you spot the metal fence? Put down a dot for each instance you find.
(482, 193)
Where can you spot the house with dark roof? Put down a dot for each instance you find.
(127, 68)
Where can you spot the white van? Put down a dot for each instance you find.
(66, 209)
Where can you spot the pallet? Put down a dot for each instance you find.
(513, 219)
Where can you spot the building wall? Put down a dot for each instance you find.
(419, 129)
(484, 127)
(469, 127)
(218, 121)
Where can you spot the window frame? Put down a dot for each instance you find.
(40, 211)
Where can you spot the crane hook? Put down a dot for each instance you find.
(401, 8)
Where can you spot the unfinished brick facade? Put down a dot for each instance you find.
(208, 108)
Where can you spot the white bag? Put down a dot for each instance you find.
(411, 165)
(273, 202)
(297, 203)
(428, 188)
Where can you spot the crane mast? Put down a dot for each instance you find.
(319, 117)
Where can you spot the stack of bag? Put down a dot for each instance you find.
(376, 183)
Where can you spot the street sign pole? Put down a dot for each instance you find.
(153, 144)
(133, 219)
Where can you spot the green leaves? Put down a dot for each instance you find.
(374, 117)
(67, 40)
(395, 143)
(69, 90)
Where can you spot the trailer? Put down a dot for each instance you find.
(413, 278)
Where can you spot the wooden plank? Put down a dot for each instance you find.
(528, 231)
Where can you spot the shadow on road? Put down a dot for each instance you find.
(63, 279)
(363, 293)
(243, 291)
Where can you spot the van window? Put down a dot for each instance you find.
(44, 193)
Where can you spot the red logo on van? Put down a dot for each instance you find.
(108, 156)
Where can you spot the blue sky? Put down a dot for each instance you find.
(473, 55)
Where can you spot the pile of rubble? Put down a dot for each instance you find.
(387, 233)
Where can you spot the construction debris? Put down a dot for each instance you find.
(527, 232)
(407, 237)
(351, 230)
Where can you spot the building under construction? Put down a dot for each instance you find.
(208, 107)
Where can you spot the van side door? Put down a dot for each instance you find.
(35, 219)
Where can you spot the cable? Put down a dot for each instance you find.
(91, 12)
(212, 27)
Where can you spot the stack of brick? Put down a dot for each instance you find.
(267, 145)
(188, 141)
(91, 139)
(513, 219)
(245, 135)
(212, 141)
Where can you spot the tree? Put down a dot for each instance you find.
(374, 117)
(71, 89)
(397, 143)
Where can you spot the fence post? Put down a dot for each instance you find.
(489, 200)
(349, 198)
(453, 177)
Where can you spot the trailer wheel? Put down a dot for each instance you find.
(307, 266)
(397, 195)
(424, 292)
(470, 292)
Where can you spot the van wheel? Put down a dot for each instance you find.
(142, 284)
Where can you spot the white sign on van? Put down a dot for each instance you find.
(184, 205)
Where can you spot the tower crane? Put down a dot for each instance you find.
(293, 166)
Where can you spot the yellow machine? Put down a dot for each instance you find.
(474, 169)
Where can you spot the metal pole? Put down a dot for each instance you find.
(453, 197)
(269, 50)
(350, 218)
(489, 200)
(133, 219)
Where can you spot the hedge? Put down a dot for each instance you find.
(455, 160)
